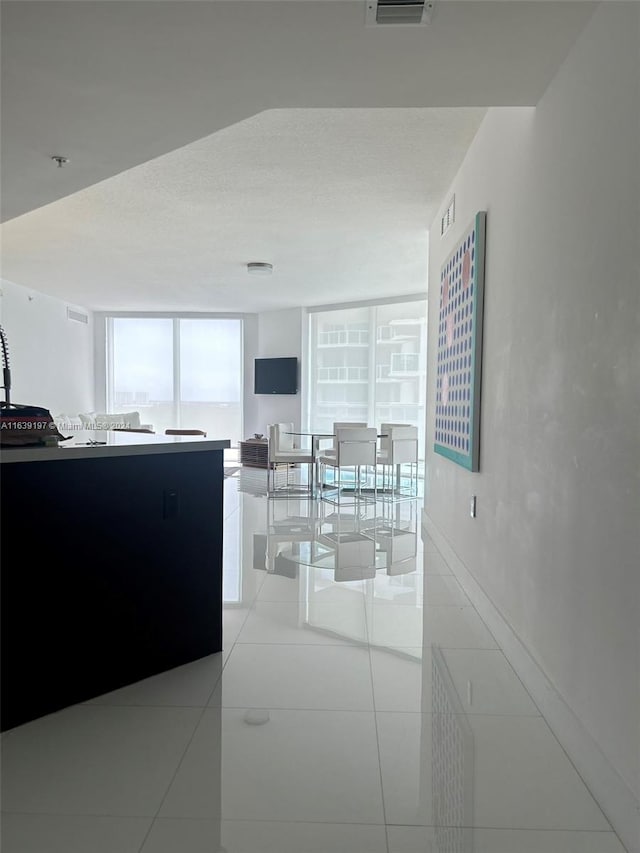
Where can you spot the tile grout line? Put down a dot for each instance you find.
(375, 723)
(172, 779)
(200, 718)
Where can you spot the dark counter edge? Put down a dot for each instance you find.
(150, 445)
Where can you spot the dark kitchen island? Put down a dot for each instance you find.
(111, 565)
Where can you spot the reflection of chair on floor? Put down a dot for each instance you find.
(355, 449)
(133, 429)
(283, 452)
(354, 550)
(355, 556)
(283, 563)
(401, 548)
(398, 447)
(292, 516)
(273, 557)
(395, 533)
(290, 523)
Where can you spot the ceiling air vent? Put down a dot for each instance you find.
(77, 316)
(448, 217)
(415, 13)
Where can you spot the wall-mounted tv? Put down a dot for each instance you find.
(276, 376)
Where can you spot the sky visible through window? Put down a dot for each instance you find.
(143, 358)
(179, 372)
(210, 353)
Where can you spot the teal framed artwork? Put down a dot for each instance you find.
(459, 352)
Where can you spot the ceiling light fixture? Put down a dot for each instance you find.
(259, 268)
(61, 161)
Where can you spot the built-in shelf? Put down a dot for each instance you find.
(255, 453)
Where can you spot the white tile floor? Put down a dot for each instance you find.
(366, 715)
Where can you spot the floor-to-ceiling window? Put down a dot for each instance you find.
(178, 372)
(368, 364)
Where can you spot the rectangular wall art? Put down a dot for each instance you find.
(459, 362)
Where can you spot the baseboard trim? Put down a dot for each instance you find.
(607, 786)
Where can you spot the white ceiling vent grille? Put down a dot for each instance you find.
(77, 316)
(416, 13)
(448, 217)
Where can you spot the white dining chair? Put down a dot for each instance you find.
(355, 449)
(283, 452)
(400, 448)
(332, 450)
(385, 429)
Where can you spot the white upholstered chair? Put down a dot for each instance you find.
(282, 451)
(332, 450)
(399, 447)
(385, 430)
(355, 449)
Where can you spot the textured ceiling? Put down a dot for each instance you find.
(203, 135)
(338, 200)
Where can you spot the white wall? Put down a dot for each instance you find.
(250, 411)
(279, 335)
(51, 356)
(556, 543)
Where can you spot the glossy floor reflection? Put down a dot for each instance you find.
(360, 705)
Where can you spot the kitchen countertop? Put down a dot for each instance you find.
(111, 444)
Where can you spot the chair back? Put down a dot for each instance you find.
(344, 425)
(385, 429)
(273, 441)
(285, 438)
(356, 446)
(279, 439)
(403, 443)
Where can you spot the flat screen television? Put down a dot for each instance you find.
(276, 376)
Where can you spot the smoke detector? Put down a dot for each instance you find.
(415, 13)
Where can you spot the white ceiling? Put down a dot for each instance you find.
(338, 200)
(203, 135)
